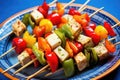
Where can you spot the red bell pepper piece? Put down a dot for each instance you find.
(36, 62)
(19, 45)
(55, 18)
(110, 47)
(79, 46)
(90, 32)
(32, 56)
(42, 44)
(72, 11)
(52, 60)
(45, 6)
(39, 31)
(109, 29)
(44, 12)
(73, 47)
(92, 25)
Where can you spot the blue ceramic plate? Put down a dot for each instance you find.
(87, 74)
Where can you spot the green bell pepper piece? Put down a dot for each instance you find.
(32, 24)
(68, 66)
(61, 36)
(25, 19)
(39, 54)
(87, 54)
(67, 30)
(94, 57)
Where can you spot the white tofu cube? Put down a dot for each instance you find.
(85, 41)
(53, 40)
(37, 16)
(76, 28)
(24, 58)
(81, 61)
(61, 53)
(101, 51)
(18, 27)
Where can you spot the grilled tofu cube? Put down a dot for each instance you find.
(101, 51)
(81, 61)
(37, 16)
(53, 40)
(61, 53)
(69, 17)
(76, 28)
(18, 27)
(24, 58)
(85, 41)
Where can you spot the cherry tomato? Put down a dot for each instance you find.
(55, 18)
(109, 29)
(52, 60)
(39, 31)
(92, 25)
(19, 45)
(72, 11)
(79, 46)
(110, 47)
(101, 31)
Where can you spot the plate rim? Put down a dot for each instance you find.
(78, 5)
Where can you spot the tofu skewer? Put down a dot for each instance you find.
(23, 58)
(61, 69)
(19, 23)
(19, 26)
(18, 29)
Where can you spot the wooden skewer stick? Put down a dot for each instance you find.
(38, 72)
(50, 4)
(115, 25)
(50, 73)
(6, 35)
(83, 9)
(7, 52)
(26, 65)
(68, 4)
(11, 67)
(83, 6)
(117, 43)
(112, 38)
(96, 11)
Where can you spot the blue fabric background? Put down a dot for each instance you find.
(10, 7)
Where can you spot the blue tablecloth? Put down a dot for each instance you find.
(10, 7)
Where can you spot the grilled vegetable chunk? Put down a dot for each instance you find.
(61, 53)
(101, 51)
(85, 41)
(24, 58)
(81, 61)
(37, 16)
(18, 27)
(53, 40)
